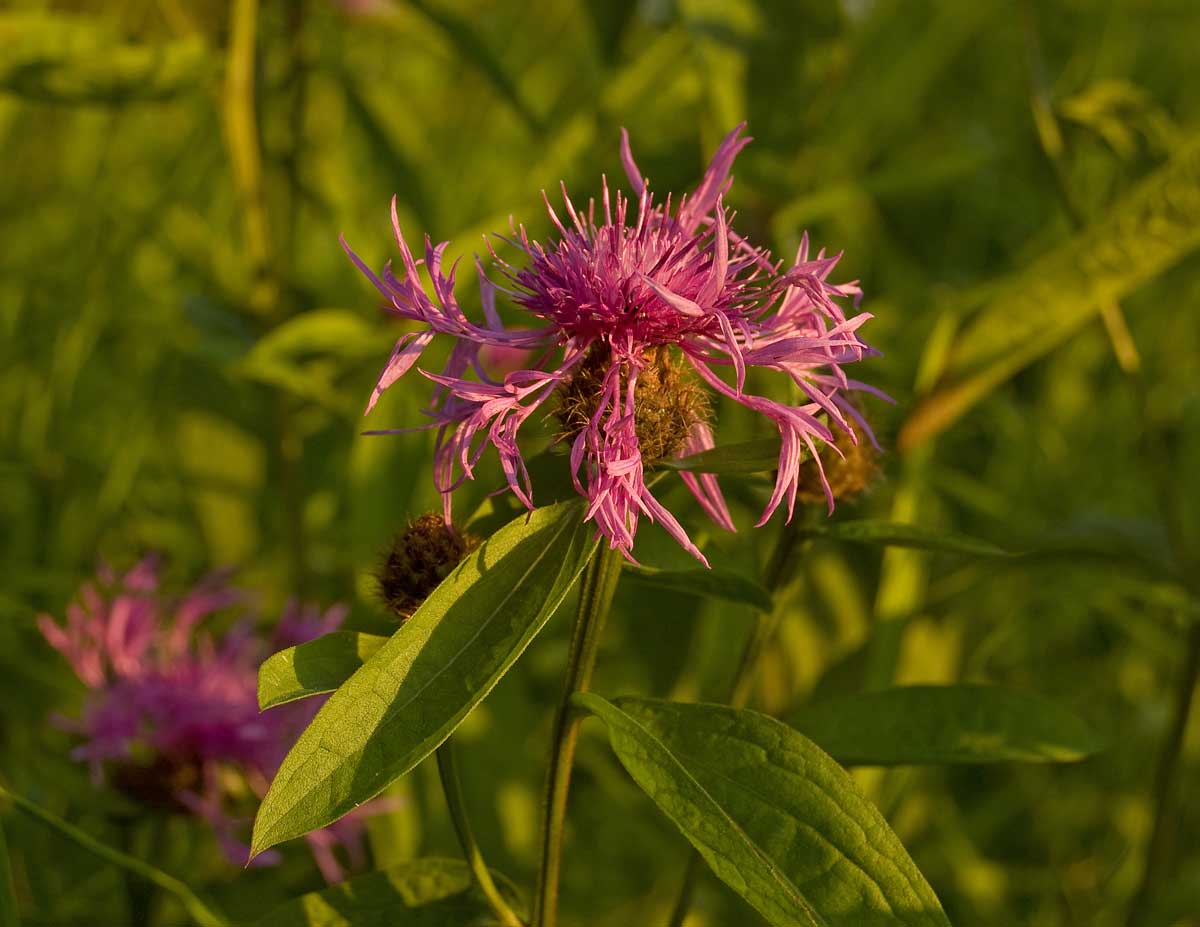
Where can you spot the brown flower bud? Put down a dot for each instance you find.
(421, 556)
(848, 475)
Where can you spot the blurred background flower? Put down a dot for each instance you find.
(171, 718)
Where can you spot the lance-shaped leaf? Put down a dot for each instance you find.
(1151, 228)
(314, 667)
(898, 534)
(775, 817)
(423, 893)
(913, 725)
(758, 456)
(406, 699)
(708, 584)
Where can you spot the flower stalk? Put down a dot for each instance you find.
(452, 787)
(596, 596)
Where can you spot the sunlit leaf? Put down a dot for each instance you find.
(706, 584)
(200, 912)
(777, 820)
(1146, 232)
(915, 725)
(756, 456)
(406, 699)
(314, 667)
(77, 59)
(423, 893)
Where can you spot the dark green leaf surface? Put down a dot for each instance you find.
(897, 534)
(314, 667)
(404, 701)
(423, 893)
(775, 817)
(757, 456)
(946, 724)
(706, 584)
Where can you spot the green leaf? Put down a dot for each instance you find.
(1147, 231)
(776, 818)
(314, 667)
(200, 912)
(406, 699)
(422, 893)
(915, 725)
(8, 897)
(706, 584)
(79, 59)
(898, 534)
(467, 42)
(307, 354)
(756, 456)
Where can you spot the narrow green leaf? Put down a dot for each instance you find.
(1150, 229)
(336, 333)
(422, 893)
(756, 456)
(406, 699)
(8, 897)
(776, 818)
(462, 34)
(201, 913)
(705, 584)
(314, 667)
(915, 725)
(79, 59)
(897, 534)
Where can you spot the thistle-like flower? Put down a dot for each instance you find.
(639, 304)
(171, 718)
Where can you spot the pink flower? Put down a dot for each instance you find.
(172, 713)
(619, 286)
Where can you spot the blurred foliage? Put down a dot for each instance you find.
(184, 351)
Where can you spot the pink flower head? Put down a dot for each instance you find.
(622, 283)
(172, 714)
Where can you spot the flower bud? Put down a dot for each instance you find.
(848, 475)
(421, 556)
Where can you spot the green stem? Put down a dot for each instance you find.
(200, 912)
(791, 542)
(1158, 851)
(595, 598)
(452, 787)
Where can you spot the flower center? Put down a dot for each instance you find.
(667, 403)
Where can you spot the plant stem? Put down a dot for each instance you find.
(452, 787)
(595, 598)
(1158, 852)
(791, 543)
(199, 912)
